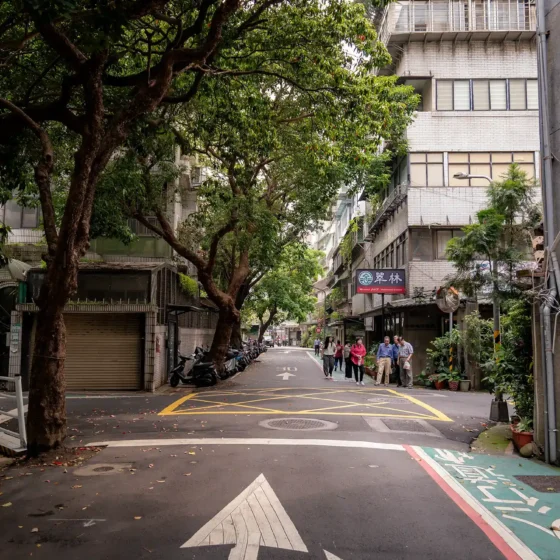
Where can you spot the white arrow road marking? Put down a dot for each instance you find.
(331, 556)
(286, 375)
(255, 518)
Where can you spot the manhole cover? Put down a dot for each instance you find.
(301, 424)
(103, 469)
(541, 483)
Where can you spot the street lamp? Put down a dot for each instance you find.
(498, 409)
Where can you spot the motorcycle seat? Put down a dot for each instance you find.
(204, 364)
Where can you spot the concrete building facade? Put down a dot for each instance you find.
(474, 65)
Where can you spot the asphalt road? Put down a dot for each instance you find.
(198, 470)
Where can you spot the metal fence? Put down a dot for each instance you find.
(18, 413)
(451, 15)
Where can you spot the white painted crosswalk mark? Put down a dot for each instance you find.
(255, 518)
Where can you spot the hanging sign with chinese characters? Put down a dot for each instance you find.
(380, 281)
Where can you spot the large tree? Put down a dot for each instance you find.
(286, 291)
(77, 76)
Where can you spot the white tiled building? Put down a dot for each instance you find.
(474, 65)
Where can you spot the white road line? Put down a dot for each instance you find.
(331, 556)
(509, 537)
(249, 441)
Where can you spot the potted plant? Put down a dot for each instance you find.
(453, 380)
(522, 433)
(423, 379)
(441, 380)
(464, 384)
(370, 365)
(432, 380)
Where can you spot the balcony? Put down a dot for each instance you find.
(385, 211)
(433, 20)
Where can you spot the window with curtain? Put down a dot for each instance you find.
(487, 95)
(493, 165)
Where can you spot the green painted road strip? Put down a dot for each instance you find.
(494, 483)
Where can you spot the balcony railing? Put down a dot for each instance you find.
(385, 211)
(470, 15)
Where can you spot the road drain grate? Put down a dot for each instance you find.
(300, 424)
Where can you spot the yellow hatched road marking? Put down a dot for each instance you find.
(302, 393)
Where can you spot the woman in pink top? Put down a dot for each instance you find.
(357, 353)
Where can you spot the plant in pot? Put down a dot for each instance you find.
(423, 379)
(441, 380)
(432, 380)
(522, 432)
(370, 365)
(453, 380)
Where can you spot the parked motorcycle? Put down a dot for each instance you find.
(202, 374)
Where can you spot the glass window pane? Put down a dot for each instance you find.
(442, 237)
(458, 158)
(478, 157)
(499, 170)
(529, 168)
(501, 157)
(523, 157)
(480, 169)
(12, 217)
(481, 100)
(421, 241)
(435, 158)
(418, 174)
(435, 175)
(417, 158)
(460, 168)
(532, 95)
(498, 97)
(517, 95)
(444, 95)
(29, 218)
(461, 96)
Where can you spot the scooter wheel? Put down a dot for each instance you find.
(174, 381)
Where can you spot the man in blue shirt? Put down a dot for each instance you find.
(384, 361)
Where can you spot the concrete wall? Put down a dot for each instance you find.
(421, 326)
(191, 338)
(428, 275)
(477, 131)
(469, 60)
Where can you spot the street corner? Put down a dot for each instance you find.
(516, 502)
(339, 401)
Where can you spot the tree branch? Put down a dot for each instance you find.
(43, 172)
(224, 230)
(58, 41)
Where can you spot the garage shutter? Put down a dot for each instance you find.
(104, 352)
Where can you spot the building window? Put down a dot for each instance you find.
(493, 165)
(443, 236)
(421, 245)
(487, 95)
(17, 217)
(426, 170)
(140, 229)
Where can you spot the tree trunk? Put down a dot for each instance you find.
(264, 326)
(222, 336)
(46, 418)
(236, 338)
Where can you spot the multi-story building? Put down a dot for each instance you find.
(474, 65)
(131, 312)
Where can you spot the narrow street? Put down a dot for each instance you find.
(265, 466)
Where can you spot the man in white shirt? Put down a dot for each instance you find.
(405, 355)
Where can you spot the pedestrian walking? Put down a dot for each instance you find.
(347, 361)
(358, 352)
(405, 355)
(317, 346)
(328, 356)
(396, 367)
(384, 361)
(338, 356)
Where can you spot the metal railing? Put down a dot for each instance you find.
(450, 15)
(18, 413)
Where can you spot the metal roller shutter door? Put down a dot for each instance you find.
(104, 352)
